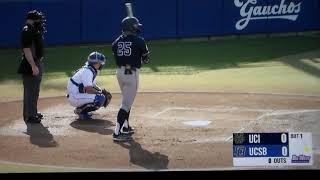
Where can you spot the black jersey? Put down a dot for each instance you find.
(128, 49)
(33, 39)
(30, 38)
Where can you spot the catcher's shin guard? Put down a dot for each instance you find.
(98, 102)
(86, 108)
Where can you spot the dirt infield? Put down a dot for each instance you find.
(173, 130)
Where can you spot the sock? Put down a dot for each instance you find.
(122, 114)
(117, 129)
(128, 114)
(126, 124)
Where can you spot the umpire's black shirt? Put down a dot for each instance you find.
(33, 39)
(129, 50)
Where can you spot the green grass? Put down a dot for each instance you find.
(239, 64)
(172, 57)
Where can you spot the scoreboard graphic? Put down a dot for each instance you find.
(272, 149)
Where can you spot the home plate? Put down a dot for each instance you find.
(198, 123)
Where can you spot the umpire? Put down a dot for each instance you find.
(31, 66)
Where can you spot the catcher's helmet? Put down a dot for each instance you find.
(37, 15)
(96, 57)
(131, 24)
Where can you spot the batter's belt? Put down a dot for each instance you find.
(128, 69)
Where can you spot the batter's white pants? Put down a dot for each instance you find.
(129, 87)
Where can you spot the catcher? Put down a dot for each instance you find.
(83, 92)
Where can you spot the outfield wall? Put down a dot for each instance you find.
(98, 21)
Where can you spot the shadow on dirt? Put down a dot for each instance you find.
(40, 135)
(93, 126)
(145, 158)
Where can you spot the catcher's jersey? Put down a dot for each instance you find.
(84, 76)
(128, 49)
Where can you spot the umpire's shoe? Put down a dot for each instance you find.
(128, 130)
(33, 119)
(121, 137)
(39, 115)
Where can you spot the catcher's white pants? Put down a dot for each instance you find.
(80, 99)
(129, 87)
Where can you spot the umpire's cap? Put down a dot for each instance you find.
(35, 15)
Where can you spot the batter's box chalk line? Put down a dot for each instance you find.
(211, 109)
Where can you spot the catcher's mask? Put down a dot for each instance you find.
(39, 20)
(131, 24)
(96, 57)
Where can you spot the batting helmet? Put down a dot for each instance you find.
(131, 24)
(40, 20)
(96, 57)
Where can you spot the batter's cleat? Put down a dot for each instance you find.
(121, 137)
(85, 116)
(129, 130)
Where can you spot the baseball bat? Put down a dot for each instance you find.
(129, 9)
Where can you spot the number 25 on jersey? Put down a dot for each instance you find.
(124, 48)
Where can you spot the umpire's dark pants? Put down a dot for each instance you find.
(31, 89)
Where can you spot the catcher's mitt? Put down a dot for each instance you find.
(108, 97)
